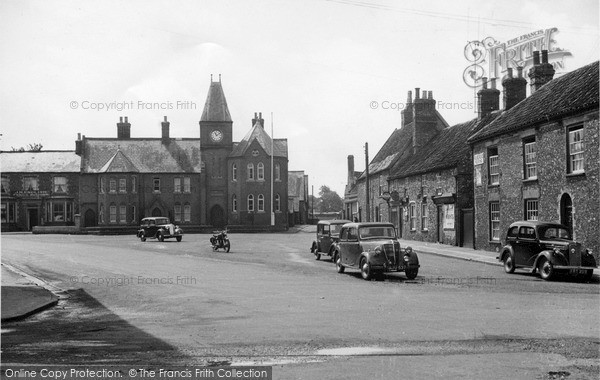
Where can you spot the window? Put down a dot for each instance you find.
(178, 213)
(59, 184)
(30, 183)
(277, 203)
(575, 148)
(412, 208)
(529, 159)
(261, 203)
(122, 185)
(234, 172)
(113, 213)
(531, 209)
(133, 215)
(233, 203)
(187, 212)
(493, 167)
(5, 185)
(277, 172)
(123, 214)
(424, 216)
(260, 171)
(9, 212)
(134, 186)
(112, 185)
(102, 214)
(250, 202)
(495, 221)
(156, 185)
(251, 172)
(187, 185)
(102, 185)
(177, 185)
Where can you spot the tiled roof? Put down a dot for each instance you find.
(40, 162)
(446, 150)
(259, 134)
(215, 108)
(573, 92)
(144, 155)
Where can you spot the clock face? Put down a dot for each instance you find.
(216, 135)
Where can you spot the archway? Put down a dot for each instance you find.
(89, 218)
(217, 216)
(156, 212)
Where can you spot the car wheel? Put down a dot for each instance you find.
(334, 257)
(509, 266)
(227, 246)
(365, 269)
(546, 270)
(143, 236)
(411, 273)
(178, 238)
(160, 237)
(317, 256)
(314, 247)
(338, 264)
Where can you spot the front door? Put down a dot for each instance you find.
(32, 218)
(467, 228)
(440, 224)
(89, 218)
(217, 216)
(566, 211)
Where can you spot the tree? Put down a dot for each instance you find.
(35, 147)
(330, 200)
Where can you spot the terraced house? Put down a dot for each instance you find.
(540, 159)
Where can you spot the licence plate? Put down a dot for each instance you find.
(577, 271)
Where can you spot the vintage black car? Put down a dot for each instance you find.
(547, 248)
(328, 233)
(159, 228)
(374, 249)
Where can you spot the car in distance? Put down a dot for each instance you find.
(546, 247)
(328, 233)
(374, 249)
(159, 228)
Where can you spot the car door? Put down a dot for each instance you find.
(527, 246)
(353, 249)
(326, 238)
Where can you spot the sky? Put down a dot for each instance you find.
(332, 74)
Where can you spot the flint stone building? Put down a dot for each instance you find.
(108, 184)
(540, 159)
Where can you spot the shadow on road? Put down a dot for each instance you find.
(80, 330)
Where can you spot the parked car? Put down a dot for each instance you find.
(547, 248)
(374, 249)
(159, 228)
(328, 233)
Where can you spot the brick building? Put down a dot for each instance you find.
(540, 159)
(39, 188)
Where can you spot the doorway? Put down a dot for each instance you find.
(217, 216)
(33, 218)
(156, 212)
(467, 229)
(440, 224)
(566, 211)
(89, 218)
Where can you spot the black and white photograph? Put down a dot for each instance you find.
(300, 189)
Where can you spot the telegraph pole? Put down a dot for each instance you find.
(368, 184)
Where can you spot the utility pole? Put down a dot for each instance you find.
(368, 184)
(312, 207)
(272, 179)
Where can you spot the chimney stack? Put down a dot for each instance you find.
(541, 72)
(407, 112)
(258, 119)
(79, 145)
(165, 128)
(515, 89)
(488, 98)
(123, 129)
(351, 178)
(424, 120)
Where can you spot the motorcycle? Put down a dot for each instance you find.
(220, 240)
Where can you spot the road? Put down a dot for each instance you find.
(269, 302)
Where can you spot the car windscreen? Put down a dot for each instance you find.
(335, 228)
(162, 221)
(376, 232)
(554, 232)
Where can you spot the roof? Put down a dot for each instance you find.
(397, 146)
(574, 92)
(215, 108)
(40, 162)
(445, 150)
(258, 133)
(143, 155)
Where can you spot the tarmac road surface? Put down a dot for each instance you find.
(269, 302)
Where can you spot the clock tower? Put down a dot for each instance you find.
(216, 145)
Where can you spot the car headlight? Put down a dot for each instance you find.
(377, 250)
(573, 250)
(406, 258)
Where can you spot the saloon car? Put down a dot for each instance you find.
(374, 249)
(159, 228)
(328, 233)
(546, 247)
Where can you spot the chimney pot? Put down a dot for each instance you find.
(121, 119)
(536, 57)
(544, 56)
(126, 119)
(409, 97)
(520, 71)
(493, 82)
(510, 72)
(417, 93)
(165, 118)
(78, 136)
(484, 82)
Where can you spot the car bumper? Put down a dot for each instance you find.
(572, 267)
